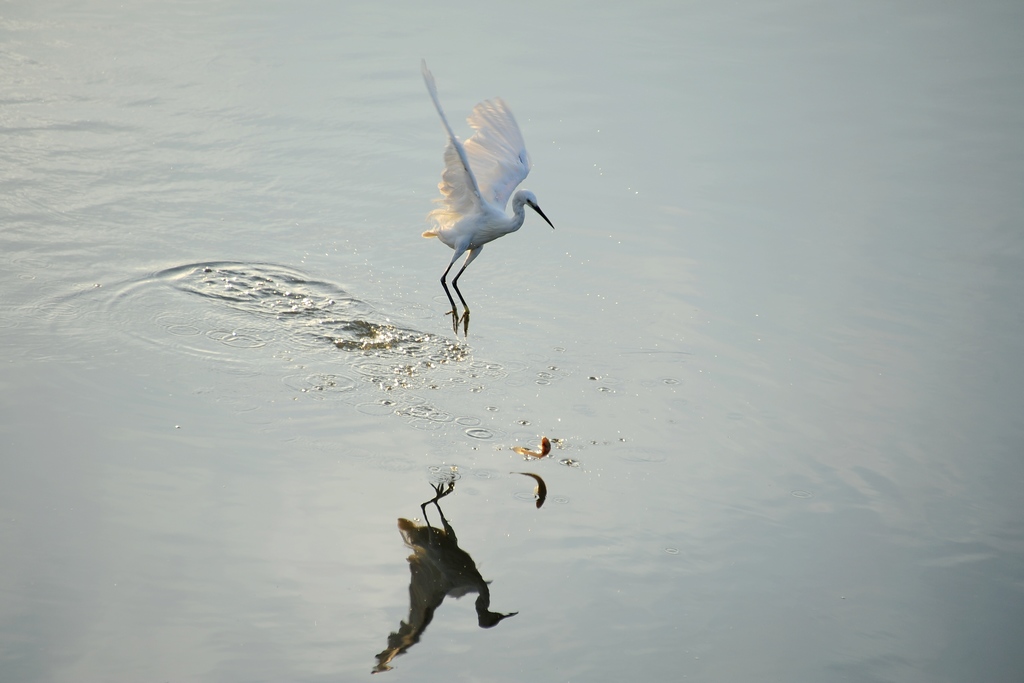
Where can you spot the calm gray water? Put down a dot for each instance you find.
(775, 339)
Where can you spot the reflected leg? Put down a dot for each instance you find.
(439, 492)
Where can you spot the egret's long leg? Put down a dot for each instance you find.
(445, 285)
(473, 253)
(454, 313)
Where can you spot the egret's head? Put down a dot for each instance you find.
(530, 199)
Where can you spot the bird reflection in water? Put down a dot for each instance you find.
(439, 568)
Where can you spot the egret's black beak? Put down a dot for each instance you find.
(537, 209)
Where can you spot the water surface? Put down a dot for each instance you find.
(773, 339)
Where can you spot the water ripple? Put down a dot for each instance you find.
(321, 342)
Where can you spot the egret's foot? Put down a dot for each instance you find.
(454, 313)
(457, 319)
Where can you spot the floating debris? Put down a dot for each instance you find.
(545, 448)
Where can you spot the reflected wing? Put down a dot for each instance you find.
(497, 153)
(460, 194)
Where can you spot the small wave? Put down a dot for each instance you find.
(271, 316)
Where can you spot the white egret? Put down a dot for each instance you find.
(477, 180)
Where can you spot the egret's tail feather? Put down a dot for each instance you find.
(430, 233)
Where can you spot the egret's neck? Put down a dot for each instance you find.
(518, 214)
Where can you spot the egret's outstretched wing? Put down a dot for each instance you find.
(496, 151)
(460, 194)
